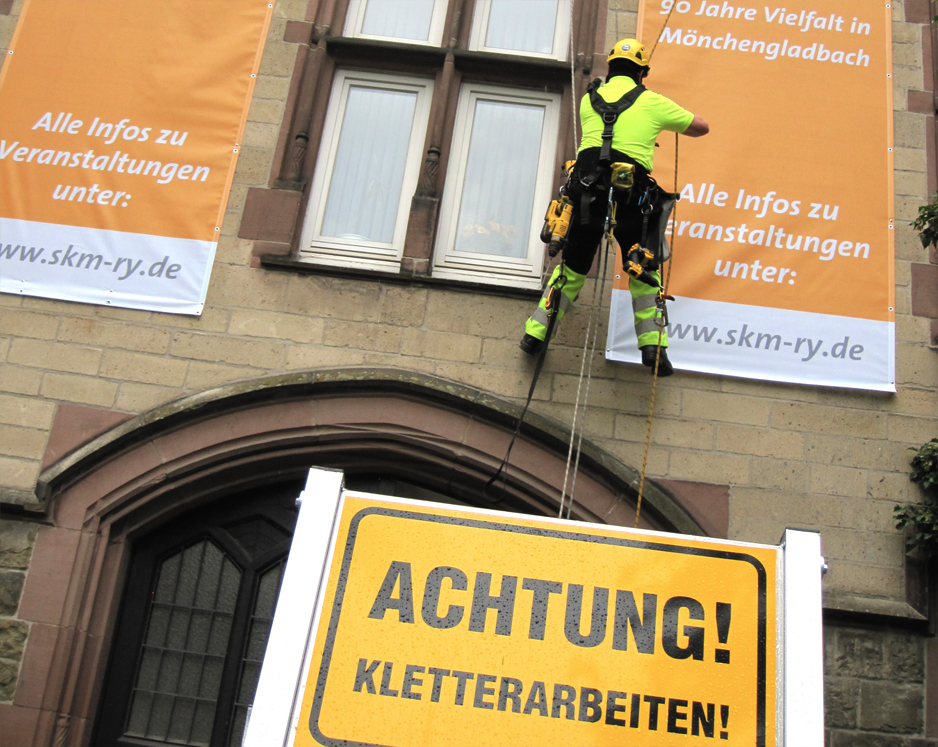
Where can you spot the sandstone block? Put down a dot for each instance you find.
(915, 364)
(309, 358)
(717, 406)
(19, 380)
(86, 390)
(209, 375)
(113, 334)
(56, 356)
(145, 369)
(271, 87)
(8, 675)
(843, 481)
(333, 298)
(841, 702)
(278, 59)
(265, 354)
(911, 183)
(890, 707)
(19, 473)
(909, 128)
(267, 111)
(441, 345)
(26, 411)
(405, 307)
(779, 474)
(13, 634)
(741, 439)
(22, 323)
(11, 588)
(829, 420)
(253, 166)
(276, 325)
(138, 398)
(259, 135)
(17, 539)
(360, 336)
(911, 159)
(27, 443)
(706, 466)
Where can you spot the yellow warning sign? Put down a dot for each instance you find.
(446, 626)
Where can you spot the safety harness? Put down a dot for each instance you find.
(609, 112)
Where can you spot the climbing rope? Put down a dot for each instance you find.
(592, 331)
(654, 381)
(667, 283)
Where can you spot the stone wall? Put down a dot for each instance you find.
(875, 687)
(16, 546)
(810, 457)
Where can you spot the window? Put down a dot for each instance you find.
(194, 623)
(368, 166)
(531, 27)
(414, 21)
(499, 176)
(436, 160)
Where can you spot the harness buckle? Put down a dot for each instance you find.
(661, 306)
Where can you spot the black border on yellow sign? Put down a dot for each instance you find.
(537, 532)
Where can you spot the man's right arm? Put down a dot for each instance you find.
(697, 128)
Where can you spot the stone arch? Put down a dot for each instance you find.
(123, 484)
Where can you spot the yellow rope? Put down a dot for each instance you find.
(654, 381)
(661, 33)
(667, 283)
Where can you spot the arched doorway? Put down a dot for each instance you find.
(131, 488)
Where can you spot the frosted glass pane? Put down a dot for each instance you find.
(180, 724)
(177, 684)
(522, 25)
(498, 192)
(140, 714)
(401, 19)
(365, 192)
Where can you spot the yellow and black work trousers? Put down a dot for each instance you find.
(584, 239)
(645, 311)
(570, 284)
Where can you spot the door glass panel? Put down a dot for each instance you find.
(522, 25)
(501, 172)
(266, 601)
(180, 668)
(399, 19)
(367, 178)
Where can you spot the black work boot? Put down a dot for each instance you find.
(648, 359)
(530, 344)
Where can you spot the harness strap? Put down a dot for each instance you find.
(609, 111)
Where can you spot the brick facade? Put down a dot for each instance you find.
(771, 455)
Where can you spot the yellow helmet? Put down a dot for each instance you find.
(630, 49)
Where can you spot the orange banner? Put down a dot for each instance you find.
(122, 116)
(788, 203)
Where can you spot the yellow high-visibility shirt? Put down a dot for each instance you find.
(638, 126)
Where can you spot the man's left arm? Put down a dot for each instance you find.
(697, 128)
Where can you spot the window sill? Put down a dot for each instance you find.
(278, 262)
(354, 50)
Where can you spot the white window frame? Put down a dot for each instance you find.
(486, 268)
(359, 253)
(356, 19)
(561, 45)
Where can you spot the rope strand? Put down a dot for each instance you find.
(654, 383)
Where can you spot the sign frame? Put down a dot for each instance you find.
(274, 718)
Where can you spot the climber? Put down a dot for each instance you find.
(620, 122)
